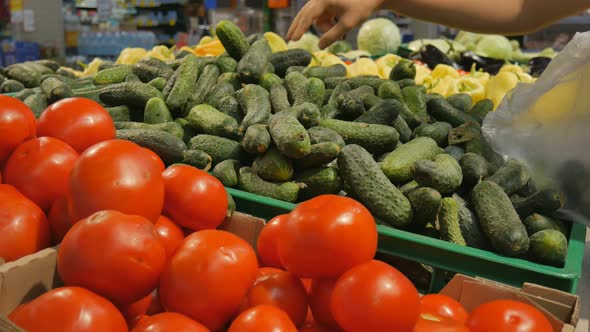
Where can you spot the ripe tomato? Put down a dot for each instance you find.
(40, 169)
(170, 234)
(266, 271)
(59, 219)
(69, 309)
(263, 318)
(24, 229)
(443, 306)
(208, 276)
(17, 124)
(320, 297)
(268, 242)
(318, 238)
(80, 122)
(135, 311)
(0, 175)
(507, 316)
(432, 323)
(314, 328)
(156, 158)
(116, 175)
(281, 289)
(194, 198)
(116, 255)
(169, 321)
(363, 297)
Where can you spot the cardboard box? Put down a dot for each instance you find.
(561, 308)
(25, 279)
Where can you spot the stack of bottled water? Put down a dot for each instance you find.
(110, 44)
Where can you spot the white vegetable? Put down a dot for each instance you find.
(379, 36)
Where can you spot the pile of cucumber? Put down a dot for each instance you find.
(266, 123)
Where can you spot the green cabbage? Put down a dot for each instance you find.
(308, 42)
(442, 44)
(340, 46)
(379, 36)
(494, 46)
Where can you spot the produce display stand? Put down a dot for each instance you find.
(444, 256)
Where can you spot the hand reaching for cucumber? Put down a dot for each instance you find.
(508, 17)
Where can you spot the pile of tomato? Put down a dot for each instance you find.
(140, 250)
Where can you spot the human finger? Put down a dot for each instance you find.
(325, 23)
(311, 11)
(337, 31)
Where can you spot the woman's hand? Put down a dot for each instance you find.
(334, 17)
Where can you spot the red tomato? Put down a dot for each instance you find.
(40, 168)
(168, 322)
(314, 328)
(59, 219)
(170, 234)
(431, 323)
(17, 124)
(156, 158)
(69, 309)
(317, 239)
(134, 312)
(363, 297)
(0, 175)
(80, 122)
(266, 271)
(507, 316)
(443, 306)
(283, 290)
(208, 277)
(307, 284)
(24, 229)
(268, 242)
(116, 255)
(194, 198)
(116, 175)
(320, 297)
(263, 318)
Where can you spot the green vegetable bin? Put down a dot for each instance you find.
(445, 256)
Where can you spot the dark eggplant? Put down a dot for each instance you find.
(489, 65)
(432, 57)
(538, 65)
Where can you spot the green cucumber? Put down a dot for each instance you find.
(538, 222)
(416, 101)
(284, 59)
(338, 90)
(448, 219)
(156, 111)
(148, 69)
(318, 181)
(187, 130)
(119, 113)
(295, 83)
(204, 85)
(443, 173)
(11, 86)
(279, 98)
(409, 187)
(438, 131)
(308, 114)
(227, 64)
(455, 151)
(227, 172)
(217, 92)
(350, 107)
(112, 75)
(298, 69)
(322, 73)
(169, 127)
(405, 133)
(55, 90)
(208, 120)
(390, 90)
(549, 247)
(385, 113)
(184, 83)
(167, 146)
(219, 148)
(23, 94)
(398, 164)
(269, 79)
(461, 101)
(373, 137)
(441, 110)
(474, 168)
(37, 103)
(404, 69)
(49, 64)
(256, 139)
(383, 199)
(499, 220)
(158, 83)
(481, 109)
(544, 201)
(406, 82)
(426, 203)
(249, 181)
(197, 158)
(320, 154)
(480, 146)
(470, 228)
(320, 134)
(229, 105)
(273, 166)
(511, 177)
(24, 74)
(464, 133)
(231, 78)
(232, 39)
(372, 81)
(253, 64)
(289, 135)
(132, 94)
(313, 93)
(255, 103)
(332, 82)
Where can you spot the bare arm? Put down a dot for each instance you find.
(484, 16)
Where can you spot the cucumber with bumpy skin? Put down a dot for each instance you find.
(148, 69)
(256, 139)
(250, 182)
(37, 103)
(156, 111)
(205, 83)
(289, 135)
(461, 101)
(269, 79)
(197, 158)
(227, 172)
(308, 114)
(279, 98)
(119, 113)
(11, 86)
(219, 148)
(438, 131)
(383, 199)
(511, 177)
(255, 103)
(385, 113)
(231, 78)
(426, 203)
(474, 168)
(398, 164)
(544, 201)
(320, 154)
(273, 166)
(134, 94)
(318, 181)
(227, 64)
(404, 69)
(455, 151)
(253, 64)
(405, 133)
(416, 101)
(470, 228)
(158, 83)
(441, 110)
(232, 39)
(207, 120)
(320, 134)
(481, 109)
(295, 83)
(350, 107)
(322, 73)
(229, 105)
(184, 80)
(549, 247)
(373, 137)
(499, 220)
(390, 90)
(449, 222)
(443, 173)
(537, 222)
(169, 127)
(167, 146)
(284, 59)
(112, 75)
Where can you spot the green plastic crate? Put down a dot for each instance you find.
(445, 256)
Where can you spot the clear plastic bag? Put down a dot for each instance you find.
(546, 124)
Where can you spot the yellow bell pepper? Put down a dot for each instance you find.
(205, 40)
(212, 48)
(499, 85)
(130, 56)
(481, 76)
(188, 49)
(331, 59)
(446, 86)
(422, 72)
(317, 58)
(161, 52)
(473, 87)
(276, 43)
(443, 71)
(363, 66)
(386, 63)
(512, 69)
